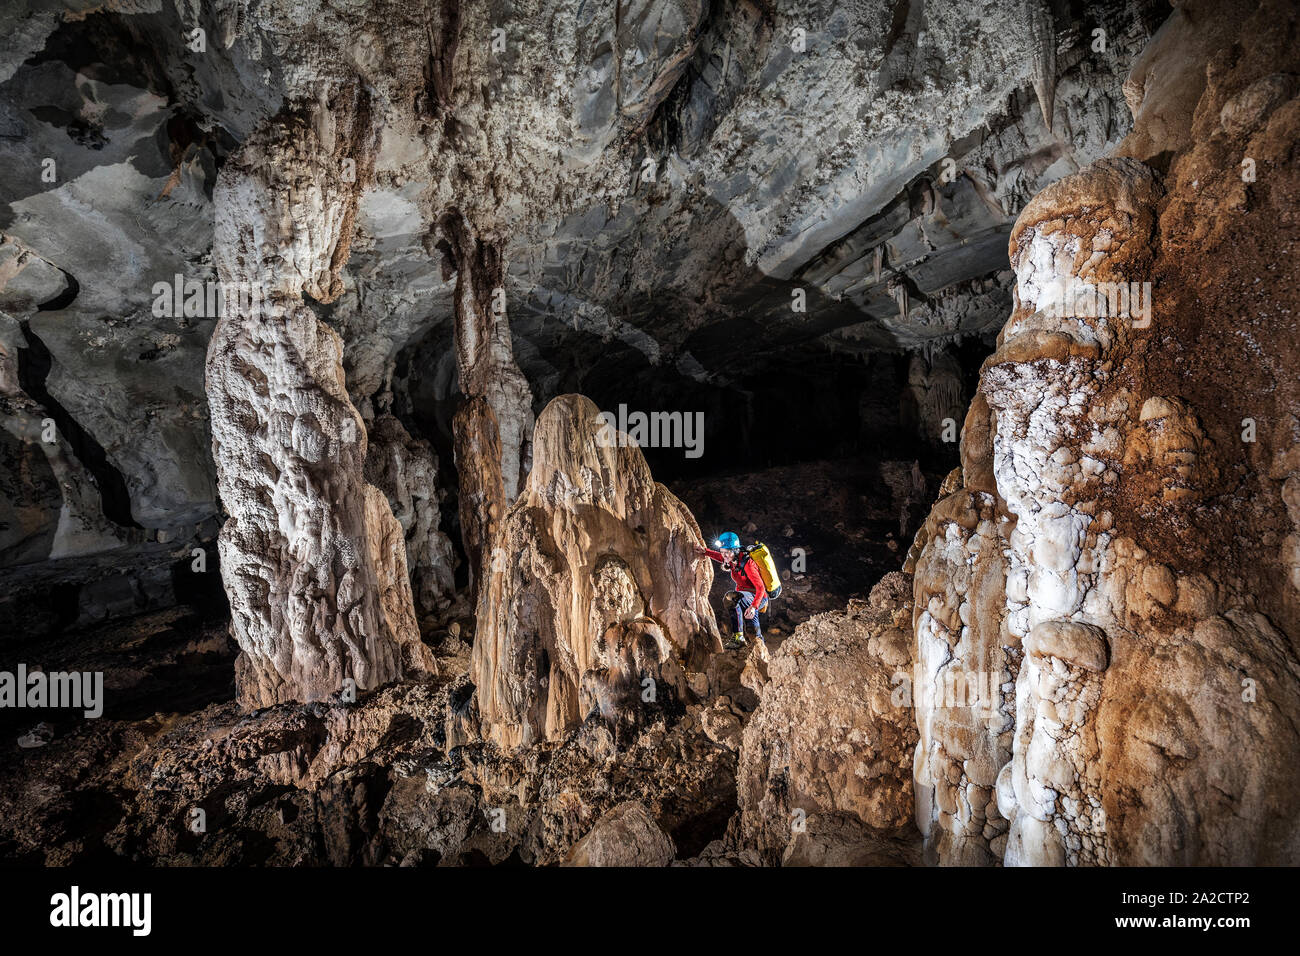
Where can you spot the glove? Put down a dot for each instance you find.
(749, 614)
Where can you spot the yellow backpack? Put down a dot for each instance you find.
(766, 569)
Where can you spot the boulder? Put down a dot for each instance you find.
(625, 836)
(833, 732)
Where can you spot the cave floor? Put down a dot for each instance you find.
(171, 672)
(175, 660)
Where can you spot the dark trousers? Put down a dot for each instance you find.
(737, 602)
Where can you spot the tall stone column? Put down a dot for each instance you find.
(494, 427)
(313, 560)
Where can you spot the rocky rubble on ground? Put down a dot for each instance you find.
(382, 781)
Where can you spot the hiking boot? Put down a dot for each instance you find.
(737, 641)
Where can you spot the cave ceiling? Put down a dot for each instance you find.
(681, 188)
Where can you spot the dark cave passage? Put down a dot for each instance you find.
(855, 424)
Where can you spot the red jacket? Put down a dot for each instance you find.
(746, 576)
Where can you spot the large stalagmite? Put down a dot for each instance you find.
(313, 560)
(593, 600)
(1113, 544)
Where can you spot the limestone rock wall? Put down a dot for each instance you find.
(591, 588)
(934, 392)
(52, 506)
(406, 470)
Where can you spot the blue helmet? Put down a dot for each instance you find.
(728, 541)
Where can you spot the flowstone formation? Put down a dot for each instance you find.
(965, 667)
(1095, 552)
(594, 601)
